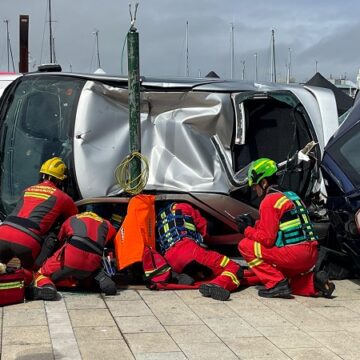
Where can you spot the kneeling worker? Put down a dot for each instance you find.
(40, 207)
(85, 236)
(180, 236)
(281, 247)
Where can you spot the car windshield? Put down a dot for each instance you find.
(346, 153)
(36, 124)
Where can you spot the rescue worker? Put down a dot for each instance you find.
(281, 247)
(181, 229)
(84, 237)
(40, 207)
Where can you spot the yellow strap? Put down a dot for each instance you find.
(289, 224)
(233, 277)
(190, 226)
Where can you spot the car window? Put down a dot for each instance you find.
(346, 153)
(36, 126)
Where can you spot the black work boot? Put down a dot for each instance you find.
(46, 292)
(323, 284)
(214, 291)
(280, 290)
(106, 284)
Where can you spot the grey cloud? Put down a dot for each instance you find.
(323, 30)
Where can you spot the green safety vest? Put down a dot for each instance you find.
(295, 225)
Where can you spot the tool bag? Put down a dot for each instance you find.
(136, 231)
(12, 288)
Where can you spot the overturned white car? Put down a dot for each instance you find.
(197, 134)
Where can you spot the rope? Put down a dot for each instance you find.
(122, 174)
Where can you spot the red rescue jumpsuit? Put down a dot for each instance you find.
(86, 235)
(39, 208)
(187, 250)
(272, 264)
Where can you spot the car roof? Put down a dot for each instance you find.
(180, 83)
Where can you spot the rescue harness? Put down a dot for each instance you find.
(295, 225)
(173, 225)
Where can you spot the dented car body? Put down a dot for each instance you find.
(197, 134)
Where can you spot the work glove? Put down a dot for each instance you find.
(243, 221)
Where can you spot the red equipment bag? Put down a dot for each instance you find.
(12, 288)
(156, 269)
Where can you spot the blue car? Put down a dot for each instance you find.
(341, 171)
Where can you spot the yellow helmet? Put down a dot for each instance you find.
(54, 167)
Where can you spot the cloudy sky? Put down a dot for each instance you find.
(322, 35)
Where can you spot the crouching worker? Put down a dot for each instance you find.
(281, 247)
(180, 230)
(40, 207)
(84, 236)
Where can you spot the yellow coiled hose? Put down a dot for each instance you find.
(122, 174)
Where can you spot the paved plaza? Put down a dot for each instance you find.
(143, 324)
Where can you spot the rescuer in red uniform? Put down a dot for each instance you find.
(84, 236)
(281, 248)
(180, 236)
(40, 207)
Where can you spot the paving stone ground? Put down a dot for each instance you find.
(152, 325)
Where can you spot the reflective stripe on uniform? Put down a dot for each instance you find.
(255, 262)
(257, 249)
(233, 277)
(39, 278)
(224, 261)
(36, 195)
(280, 202)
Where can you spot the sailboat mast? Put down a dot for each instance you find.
(54, 50)
(256, 67)
(273, 66)
(96, 33)
(289, 67)
(187, 49)
(50, 34)
(8, 47)
(232, 60)
(7, 44)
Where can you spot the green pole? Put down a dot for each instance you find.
(134, 102)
